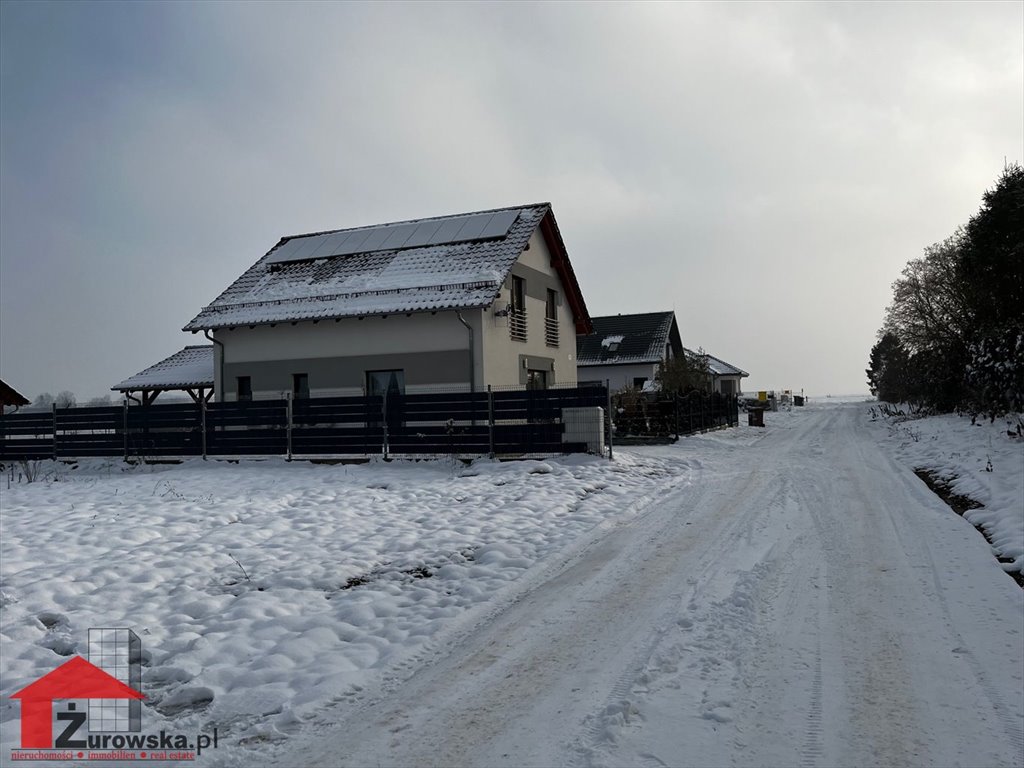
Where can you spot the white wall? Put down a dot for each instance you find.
(618, 376)
(501, 354)
(737, 383)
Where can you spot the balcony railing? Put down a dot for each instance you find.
(517, 324)
(551, 331)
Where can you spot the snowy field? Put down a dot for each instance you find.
(654, 610)
(263, 589)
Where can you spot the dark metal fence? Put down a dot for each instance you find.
(644, 416)
(496, 422)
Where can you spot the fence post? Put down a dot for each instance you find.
(288, 410)
(675, 413)
(124, 423)
(54, 407)
(490, 420)
(202, 418)
(384, 419)
(611, 424)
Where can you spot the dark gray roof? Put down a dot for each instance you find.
(628, 339)
(188, 368)
(719, 367)
(452, 275)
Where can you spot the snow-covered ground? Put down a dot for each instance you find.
(979, 461)
(262, 590)
(785, 596)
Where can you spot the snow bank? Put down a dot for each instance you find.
(980, 461)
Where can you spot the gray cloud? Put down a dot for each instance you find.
(765, 170)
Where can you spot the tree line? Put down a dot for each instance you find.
(953, 336)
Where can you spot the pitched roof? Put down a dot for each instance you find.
(628, 339)
(344, 272)
(189, 367)
(76, 679)
(10, 396)
(720, 367)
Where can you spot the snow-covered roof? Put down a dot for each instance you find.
(628, 339)
(286, 286)
(719, 367)
(189, 367)
(10, 396)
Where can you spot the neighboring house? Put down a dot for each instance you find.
(188, 370)
(11, 397)
(625, 350)
(455, 302)
(725, 378)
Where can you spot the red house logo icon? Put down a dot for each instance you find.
(75, 679)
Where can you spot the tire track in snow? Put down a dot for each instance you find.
(918, 551)
(703, 644)
(812, 752)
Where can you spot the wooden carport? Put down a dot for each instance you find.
(188, 370)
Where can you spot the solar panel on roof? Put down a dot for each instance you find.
(387, 237)
(472, 227)
(333, 244)
(424, 231)
(375, 239)
(285, 250)
(354, 243)
(447, 231)
(500, 224)
(399, 235)
(305, 248)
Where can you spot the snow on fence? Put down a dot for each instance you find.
(496, 422)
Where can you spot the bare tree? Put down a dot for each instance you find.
(66, 399)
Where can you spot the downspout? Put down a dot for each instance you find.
(206, 333)
(472, 357)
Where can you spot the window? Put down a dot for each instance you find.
(551, 319)
(536, 379)
(244, 388)
(639, 381)
(389, 386)
(517, 310)
(300, 386)
(385, 382)
(518, 294)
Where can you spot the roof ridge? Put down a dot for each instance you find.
(285, 238)
(635, 314)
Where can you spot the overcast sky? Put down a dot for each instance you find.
(765, 170)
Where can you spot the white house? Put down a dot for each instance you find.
(725, 378)
(454, 302)
(626, 350)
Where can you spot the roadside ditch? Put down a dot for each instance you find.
(960, 505)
